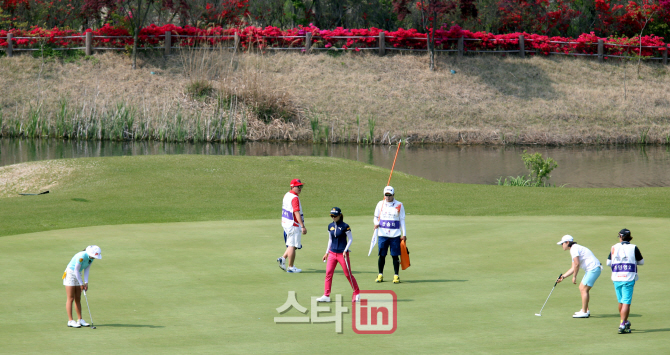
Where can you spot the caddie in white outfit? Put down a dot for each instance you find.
(624, 258)
(584, 258)
(292, 220)
(74, 284)
(389, 222)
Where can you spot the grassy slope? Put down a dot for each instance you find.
(155, 189)
(490, 99)
(212, 287)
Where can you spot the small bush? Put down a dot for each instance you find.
(514, 181)
(199, 89)
(538, 167)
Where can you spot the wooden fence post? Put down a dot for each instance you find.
(460, 47)
(237, 41)
(665, 54)
(89, 43)
(308, 42)
(601, 50)
(10, 46)
(522, 47)
(168, 42)
(382, 44)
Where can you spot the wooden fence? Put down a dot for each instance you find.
(307, 45)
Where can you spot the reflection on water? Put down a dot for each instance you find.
(630, 166)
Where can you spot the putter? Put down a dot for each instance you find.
(89, 310)
(545, 302)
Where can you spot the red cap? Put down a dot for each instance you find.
(296, 182)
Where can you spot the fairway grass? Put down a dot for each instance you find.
(187, 188)
(213, 287)
(190, 242)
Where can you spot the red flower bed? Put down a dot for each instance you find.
(339, 38)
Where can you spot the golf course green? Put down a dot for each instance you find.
(190, 242)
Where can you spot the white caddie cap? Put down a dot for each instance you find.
(94, 251)
(389, 190)
(566, 238)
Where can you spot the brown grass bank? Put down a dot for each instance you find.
(214, 96)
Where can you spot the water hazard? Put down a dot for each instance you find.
(614, 166)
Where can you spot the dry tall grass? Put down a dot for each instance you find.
(490, 99)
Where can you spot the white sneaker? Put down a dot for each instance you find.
(323, 298)
(587, 312)
(83, 323)
(581, 314)
(293, 270)
(73, 324)
(282, 262)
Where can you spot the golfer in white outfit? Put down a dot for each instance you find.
(584, 258)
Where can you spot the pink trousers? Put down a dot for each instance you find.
(333, 259)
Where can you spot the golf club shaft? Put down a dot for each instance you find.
(552, 291)
(545, 302)
(393, 166)
(89, 308)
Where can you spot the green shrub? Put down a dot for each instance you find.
(538, 167)
(199, 89)
(514, 181)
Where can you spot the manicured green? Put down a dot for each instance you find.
(156, 189)
(212, 287)
(484, 259)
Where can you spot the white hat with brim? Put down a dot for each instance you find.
(94, 252)
(389, 190)
(566, 238)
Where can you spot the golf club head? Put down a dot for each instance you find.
(537, 314)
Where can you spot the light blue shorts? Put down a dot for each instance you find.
(624, 291)
(590, 277)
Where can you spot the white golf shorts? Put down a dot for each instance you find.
(293, 236)
(70, 279)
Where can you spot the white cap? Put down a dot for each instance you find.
(566, 238)
(94, 251)
(389, 190)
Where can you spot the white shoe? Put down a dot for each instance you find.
(323, 298)
(282, 262)
(73, 324)
(83, 323)
(587, 312)
(581, 314)
(293, 270)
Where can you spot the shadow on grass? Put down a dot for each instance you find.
(651, 330)
(418, 281)
(314, 271)
(615, 316)
(80, 200)
(130, 325)
(522, 79)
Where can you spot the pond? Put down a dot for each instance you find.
(578, 166)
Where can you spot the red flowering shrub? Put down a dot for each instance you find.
(226, 12)
(538, 16)
(339, 38)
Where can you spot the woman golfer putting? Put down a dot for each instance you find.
(73, 281)
(584, 258)
(339, 241)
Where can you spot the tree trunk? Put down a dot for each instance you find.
(135, 36)
(431, 43)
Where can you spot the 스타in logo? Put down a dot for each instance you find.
(376, 313)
